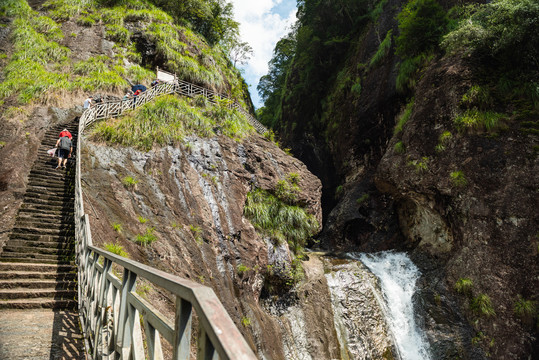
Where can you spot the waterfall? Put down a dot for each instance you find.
(398, 276)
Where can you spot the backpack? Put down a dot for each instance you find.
(65, 143)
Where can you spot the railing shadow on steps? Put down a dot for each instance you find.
(110, 308)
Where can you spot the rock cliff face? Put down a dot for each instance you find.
(193, 198)
(464, 206)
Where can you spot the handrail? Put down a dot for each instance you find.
(109, 109)
(110, 308)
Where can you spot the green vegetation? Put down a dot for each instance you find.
(117, 227)
(129, 182)
(482, 306)
(479, 120)
(420, 165)
(279, 217)
(494, 33)
(399, 148)
(147, 238)
(116, 249)
(245, 321)
(444, 139)
(404, 117)
(242, 269)
(362, 199)
(41, 70)
(382, 51)
(464, 286)
(421, 26)
(143, 290)
(168, 119)
(525, 309)
(458, 179)
(142, 219)
(197, 233)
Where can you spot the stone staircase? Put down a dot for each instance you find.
(37, 263)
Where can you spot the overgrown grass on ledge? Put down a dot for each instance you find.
(168, 119)
(278, 220)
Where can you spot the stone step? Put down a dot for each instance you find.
(11, 248)
(56, 221)
(43, 231)
(22, 293)
(49, 172)
(38, 303)
(38, 216)
(40, 187)
(60, 178)
(42, 244)
(32, 198)
(12, 275)
(58, 209)
(29, 257)
(43, 268)
(31, 284)
(40, 213)
(42, 237)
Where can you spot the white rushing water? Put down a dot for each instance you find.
(398, 276)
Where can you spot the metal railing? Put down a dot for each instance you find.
(113, 315)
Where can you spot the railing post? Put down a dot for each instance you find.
(125, 330)
(182, 326)
(206, 351)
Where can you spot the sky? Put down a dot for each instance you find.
(262, 24)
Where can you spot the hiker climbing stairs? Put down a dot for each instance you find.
(37, 263)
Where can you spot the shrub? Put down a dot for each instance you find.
(464, 286)
(408, 70)
(482, 306)
(129, 182)
(197, 233)
(117, 227)
(147, 238)
(420, 165)
(404, 117)
(362, 199)
(142, 219)
(458, 178)
(116, 249)
(421, 26)
(476, 119)
(525, 309)
(399, 148)
(242, 268)
(245, 321)
(382, 51)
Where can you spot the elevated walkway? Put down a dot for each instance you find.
(40, 285)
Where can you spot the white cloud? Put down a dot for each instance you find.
(261, 28)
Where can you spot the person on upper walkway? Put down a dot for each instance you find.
(88, 102)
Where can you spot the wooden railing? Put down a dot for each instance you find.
(112, 314)
(115, 108)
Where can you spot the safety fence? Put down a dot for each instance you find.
(169, 84)
(120, 324)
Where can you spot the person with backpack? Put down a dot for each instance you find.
(65, 132)
(65, 148)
